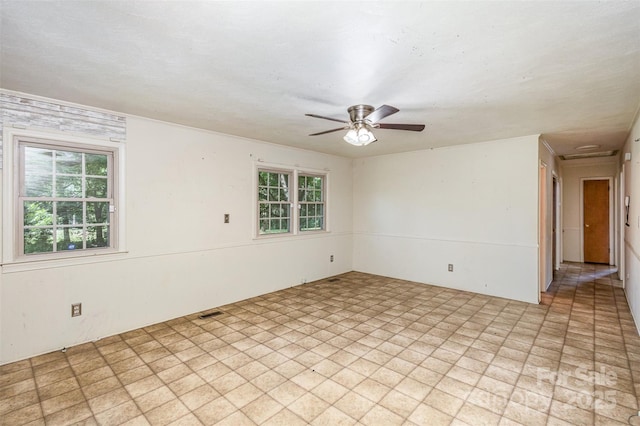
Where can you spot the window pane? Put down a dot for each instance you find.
(69, 213)
(286, 210)
(303, 224)
(303, 210)
(273, 179)
(37, 160)
(37, 185)
(97, 236)
(264, 210)
(68, 162)
(38, 240)
(98, 212)
(96, 164)
(263, 194)
(69, 186)
(69, 238)
(318, 196)
(317, 182)
(38, 213)
(263, 178)
(96, 187)
(274, 194)
(264, 225)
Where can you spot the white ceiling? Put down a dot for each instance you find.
(470, 71)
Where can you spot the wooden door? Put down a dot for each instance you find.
(596, 221)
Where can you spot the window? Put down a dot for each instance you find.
(277, 196)
(273, 197)
(311, 202)
(65, 197)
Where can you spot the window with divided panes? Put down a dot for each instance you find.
(311, 202)
(278, 193)
(274, 202)
(65, 198)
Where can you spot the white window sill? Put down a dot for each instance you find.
(290, 235)
(28, 263)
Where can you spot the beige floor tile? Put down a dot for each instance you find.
(443, 402)
(61, 402)
(188, 420)
(243, 395)
(167, 413)
(77, 414)
(285, 417)
(354, 405)
(199, 396)
(118, 414)
(262, 409)
(215, 411)
(399, 403)
(20, 400)
(108, 400)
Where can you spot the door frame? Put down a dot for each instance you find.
(557, 208)
(611, 216)
(542, 229)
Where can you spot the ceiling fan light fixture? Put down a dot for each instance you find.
(360, 135)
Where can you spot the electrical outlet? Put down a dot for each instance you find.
(450, 267)
(76, 309)
(331, 258)
(226, 218)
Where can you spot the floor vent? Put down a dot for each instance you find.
(333, 280)
(210, 314)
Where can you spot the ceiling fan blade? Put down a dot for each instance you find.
(329, 131)
(327, 118)
(380, 113)
(412, 127)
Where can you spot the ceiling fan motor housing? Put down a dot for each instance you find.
(357, 113)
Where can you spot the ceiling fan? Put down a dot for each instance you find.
(363, 118)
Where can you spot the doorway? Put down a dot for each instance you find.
(596, 241)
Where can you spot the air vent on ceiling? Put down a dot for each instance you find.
(588, 155)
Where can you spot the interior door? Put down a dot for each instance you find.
(596, 221)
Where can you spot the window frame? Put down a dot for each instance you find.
(295, 174)
(315, 203)
(13, 208)
(290, 201)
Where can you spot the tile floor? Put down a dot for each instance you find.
(363, 350)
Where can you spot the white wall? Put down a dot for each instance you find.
(181, 257)
(474, 206)
(573, 171)
(632, 232)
